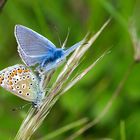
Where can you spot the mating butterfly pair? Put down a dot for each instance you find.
(33, 49)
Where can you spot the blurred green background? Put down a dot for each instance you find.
(92, 93)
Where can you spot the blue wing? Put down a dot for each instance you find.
(72, 48)
(32, 46)
(30, 60)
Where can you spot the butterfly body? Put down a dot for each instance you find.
(20, 81)
(56, 55)
(35, 49)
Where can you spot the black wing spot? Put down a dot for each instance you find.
(23, 77)
(18, 87)
(28, 76)
(20, 92)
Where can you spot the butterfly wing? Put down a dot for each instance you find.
(54, 65)
(72, 48)
(28, 60)
(20, 81)
(32, 45)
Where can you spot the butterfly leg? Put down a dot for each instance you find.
(49, 67)
(41, 66)
(43, 63)
(38, 69)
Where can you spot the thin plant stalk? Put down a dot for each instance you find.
(36, 116)
(122, 130)
(108, 105)
(65, 129)
(72, 83)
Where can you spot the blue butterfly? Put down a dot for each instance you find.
(35, 49)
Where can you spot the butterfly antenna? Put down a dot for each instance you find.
(58, 36)
(64, 44)
(20, 107)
